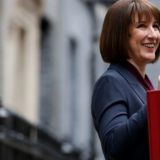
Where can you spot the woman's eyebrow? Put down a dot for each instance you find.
(138, 22)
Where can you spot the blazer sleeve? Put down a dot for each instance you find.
(116, 128)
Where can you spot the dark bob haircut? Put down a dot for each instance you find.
(114, 39)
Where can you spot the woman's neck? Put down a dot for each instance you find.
(140, 68)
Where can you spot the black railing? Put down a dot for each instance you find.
(20, 140)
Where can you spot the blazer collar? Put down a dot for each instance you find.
(131, 79)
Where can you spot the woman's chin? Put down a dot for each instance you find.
(151, 59)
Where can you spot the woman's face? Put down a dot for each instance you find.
(144, 40)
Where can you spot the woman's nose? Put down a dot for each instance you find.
(153, 32)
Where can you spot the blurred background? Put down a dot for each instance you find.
(49, 63)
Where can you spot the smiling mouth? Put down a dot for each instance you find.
(150, 45)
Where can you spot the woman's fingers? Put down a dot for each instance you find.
(159, 82)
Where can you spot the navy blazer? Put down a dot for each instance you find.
(119, 115)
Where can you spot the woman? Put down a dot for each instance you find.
(130, 39)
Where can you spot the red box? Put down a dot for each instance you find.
(153, 112)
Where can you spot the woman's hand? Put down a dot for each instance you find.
(159, 82)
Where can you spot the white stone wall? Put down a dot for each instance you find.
(20, 57)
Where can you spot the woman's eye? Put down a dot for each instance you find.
(141, 25)
(157, 26)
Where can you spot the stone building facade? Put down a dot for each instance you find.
(20, 56)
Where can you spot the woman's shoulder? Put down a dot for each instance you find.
(111, 75)
(117, 73)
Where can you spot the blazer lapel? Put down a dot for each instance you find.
(132, 81)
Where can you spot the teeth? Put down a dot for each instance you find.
(149, 45)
